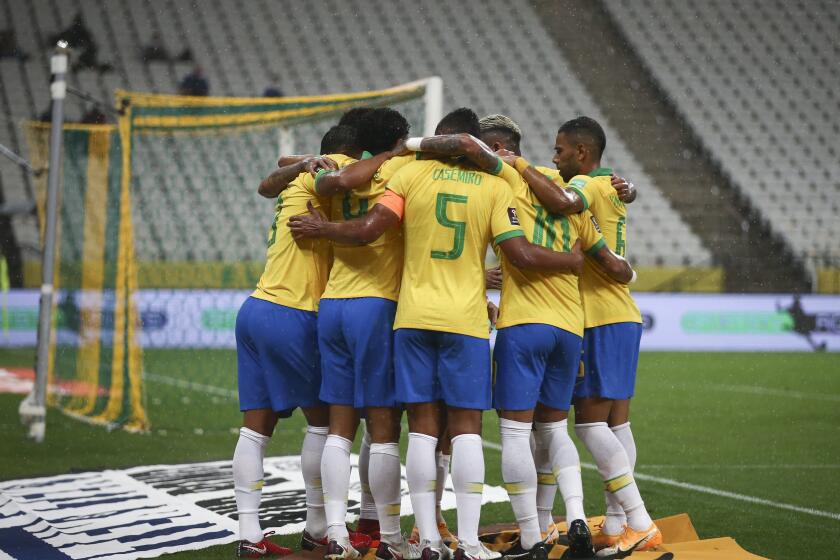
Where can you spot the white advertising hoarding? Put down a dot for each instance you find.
(705, 322)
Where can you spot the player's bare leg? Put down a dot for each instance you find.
(257, 428)
(591, 417)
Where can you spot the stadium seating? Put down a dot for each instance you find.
(240, 45)
(776, 137)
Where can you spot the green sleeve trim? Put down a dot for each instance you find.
(366, 155)
(601, 172)
(597, 247)
(582, 197)
(321, 173)
(499, 165)
(508, 235)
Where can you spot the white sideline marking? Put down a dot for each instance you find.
(753, 390)
(191, 385)
(743, 467)
(709, 490)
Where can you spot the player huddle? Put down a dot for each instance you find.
(373, 301)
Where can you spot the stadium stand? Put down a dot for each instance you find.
(775, 138)
(238, 45)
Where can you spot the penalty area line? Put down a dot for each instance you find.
(708, 490)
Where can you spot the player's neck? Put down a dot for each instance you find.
(588, 167)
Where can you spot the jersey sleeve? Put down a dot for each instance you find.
(552, 174)
(504, 223)
(591, 239)
(389, 169)
(586, 189)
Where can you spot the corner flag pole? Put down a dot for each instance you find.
(37, 409)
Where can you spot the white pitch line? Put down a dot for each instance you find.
(743, 467)
(191, 385)
(709, 490)
(766, 391)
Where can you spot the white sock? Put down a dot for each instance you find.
(367, 509)
(565, 465)
(385, 487)
(616, 519)
(335, 473)
(468, 480)
(421, 472)
(614, 467)
(442, 474)
(248, 482)
(310, 466)
(520, 476)
(546, 483)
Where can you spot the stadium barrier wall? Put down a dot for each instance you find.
(672, 322)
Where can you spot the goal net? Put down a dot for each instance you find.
(162, 235)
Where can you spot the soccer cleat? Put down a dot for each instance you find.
(429, 552)
(341, 551)
(445, 534)
(537, 552)
(580, 540)
(359, 541)
(369, 527)
(475, 552)
(600, 539)
(406, 550)
(634, 541)
(263, 549)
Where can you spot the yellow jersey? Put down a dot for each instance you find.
(539, 297)
(451, 213)
(372, 270)
(296, 272)
(605, 301)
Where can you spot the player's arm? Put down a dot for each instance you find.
(625, 189)
(354, 175)
(614, 265)
(556, 200)
(454, 145)
(522, 254)
(279, 179)
(358, 231)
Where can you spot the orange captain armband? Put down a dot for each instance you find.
(393, 202)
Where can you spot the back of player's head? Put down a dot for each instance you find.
(459, 121)
(340, 139)
(354, 116)
(380, 130)
(501, 129)
(587, 131)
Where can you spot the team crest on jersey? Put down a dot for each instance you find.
(596, 224)
(577, 182)
(514, 219)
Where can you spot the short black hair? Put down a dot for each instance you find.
(340, 139)
(381, 128)
(354, 116)
(586, 131)
(459, 121)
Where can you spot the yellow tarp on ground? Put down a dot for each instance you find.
(678, 535)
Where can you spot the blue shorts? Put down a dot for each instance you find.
(355, 337)
(277, 357)
(610, 356)
(433, 365)
(535, 362)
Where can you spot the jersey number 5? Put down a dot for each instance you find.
(460, 227)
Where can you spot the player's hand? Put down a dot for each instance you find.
(308, 225)
(492, 313)
(315, 164)
(624, 188)
(507, 156)
(577, 253)
(493, 278)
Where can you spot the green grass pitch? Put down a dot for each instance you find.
(760, 425)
